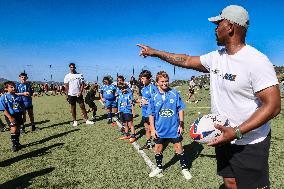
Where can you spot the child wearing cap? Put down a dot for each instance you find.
(166, 117)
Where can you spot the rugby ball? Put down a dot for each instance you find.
(203, 130)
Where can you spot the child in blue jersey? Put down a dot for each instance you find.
(108, 97)
(24, 89)
(120, 81)
(166, 118)
(13, 107)
(125, 104)
(147, 92)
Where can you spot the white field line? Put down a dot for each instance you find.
(147, 160)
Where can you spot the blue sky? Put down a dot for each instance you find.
(100, 36)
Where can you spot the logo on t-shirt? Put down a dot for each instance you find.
(166, 112)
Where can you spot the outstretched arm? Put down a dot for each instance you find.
(181, 60)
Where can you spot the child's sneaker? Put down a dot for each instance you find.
(186, 174)
(155, 172)
(88, 122)
(132, 139)
(125, 137)
(75, 123)
(146, 147)
(113, 124)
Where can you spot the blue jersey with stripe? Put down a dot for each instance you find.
(147, 92)
(25, 87)
(165, 108)
(125, 103)
(108, 92)
(11, 103)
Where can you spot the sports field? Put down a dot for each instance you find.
(62, 156)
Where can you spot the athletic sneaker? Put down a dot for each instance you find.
(88, 122)
(186, 174)
(132, 139)
(125, 137)
(146, 146)
(75, 123)
(113, 124)
(155, 172)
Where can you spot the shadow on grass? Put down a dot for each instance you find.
(209, 156)
(36, 153)
(38, 122)
(58, 124)
(25, 180)
(102, 117)
(222, 186)
(192, 151)
(49, 138)
(140, 133)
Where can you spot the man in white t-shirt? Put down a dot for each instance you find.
(74, 86)
(243, 87)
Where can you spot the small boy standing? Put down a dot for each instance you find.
(24, 89)
(89, 99)
(13, 107)
(166, 117)
(125, 104)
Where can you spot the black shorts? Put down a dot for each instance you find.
(126, 117)
(247, 163)
(145, 120)
(29, 107)
(73, 99)
(18, 119)
(91, 104)
(167, 140)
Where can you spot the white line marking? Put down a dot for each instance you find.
(147, 160)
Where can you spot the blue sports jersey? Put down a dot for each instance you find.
(125, 103)
(11, 103)
(147, 92)
(108, 92)
(165, 108)
(25, 87)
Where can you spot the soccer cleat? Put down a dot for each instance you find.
(155, 172)
(75, 124)
(113, 124)
(146, 146)
(125, 137)
(88, 122)
(22, 131)
(186, 174)
(109, 121)
(132, 139)
(34, 128)
(14, 148)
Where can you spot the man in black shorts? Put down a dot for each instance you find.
(74, 86)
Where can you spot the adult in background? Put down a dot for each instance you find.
(74, 86)
(243, 87)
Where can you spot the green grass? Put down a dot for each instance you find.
(61, 156)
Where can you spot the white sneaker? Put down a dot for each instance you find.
(75, 123)
(155, 172)
(186, 174)
(88, 122)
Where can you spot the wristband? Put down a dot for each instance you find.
(238, 133)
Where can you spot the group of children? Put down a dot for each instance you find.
(162, 114)
(15, 102)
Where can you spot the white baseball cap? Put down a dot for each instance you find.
(233, 13)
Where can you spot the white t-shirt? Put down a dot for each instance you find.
(234, 80)
(74, 81)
